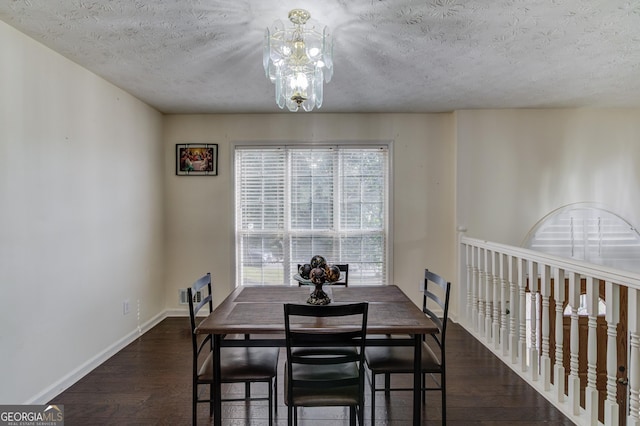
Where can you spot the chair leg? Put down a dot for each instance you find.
(352, 415)
(387, 383)
(289, 416)
(444, 398)
(195, 404)
(373, 398)
(210, 399)
(270, 404)
(275, 394)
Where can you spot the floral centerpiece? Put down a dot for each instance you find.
(318, 272)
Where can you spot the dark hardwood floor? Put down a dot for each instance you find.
(148, 383)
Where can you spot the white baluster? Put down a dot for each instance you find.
(545, 359)
(514, 312)
(574, 379)
(533, 293)
(591, 392)
(634, 357)
(612, 297)
(497, 301)
(488, 287)
(482, 280)
(559, 295)
(522, 342)
(504, 298)
(475, 311)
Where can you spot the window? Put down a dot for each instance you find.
(294, 202)
(584, 232)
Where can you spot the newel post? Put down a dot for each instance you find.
(465, 277)
(469, 282)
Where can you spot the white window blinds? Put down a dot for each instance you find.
(588, 233)
(293, 202)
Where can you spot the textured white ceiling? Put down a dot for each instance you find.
(390, 55)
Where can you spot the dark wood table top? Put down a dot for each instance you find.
(259, 310)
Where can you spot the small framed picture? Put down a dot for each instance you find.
(196, 159)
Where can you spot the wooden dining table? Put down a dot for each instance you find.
(258, 311)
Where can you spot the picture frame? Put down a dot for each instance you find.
(196, 159)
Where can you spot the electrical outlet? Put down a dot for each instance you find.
(125, 307)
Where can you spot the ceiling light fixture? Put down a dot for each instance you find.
(297, 59)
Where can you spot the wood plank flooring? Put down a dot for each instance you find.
(148, 383)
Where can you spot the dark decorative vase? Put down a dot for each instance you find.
(318, 296)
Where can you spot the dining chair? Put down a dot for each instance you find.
(344, 275)
(317, 376)
(390, 360)
(237, 364)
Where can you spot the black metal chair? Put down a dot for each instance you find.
(237, 364)
(344, 275)
(318, 376)
(390, 360)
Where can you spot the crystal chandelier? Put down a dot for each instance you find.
(296, 59)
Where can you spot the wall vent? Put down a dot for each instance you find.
(183, 296)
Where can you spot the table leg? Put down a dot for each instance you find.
(247, 386)
(417, 379)
(216, 385)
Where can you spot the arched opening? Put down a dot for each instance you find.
(585, 232)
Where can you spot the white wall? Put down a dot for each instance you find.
(81, 220)
(496, 172)
(516, 166)
(199, 210)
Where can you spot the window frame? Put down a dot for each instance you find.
(388, 272)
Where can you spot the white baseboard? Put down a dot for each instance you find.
(65, 382)
(184, 312)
